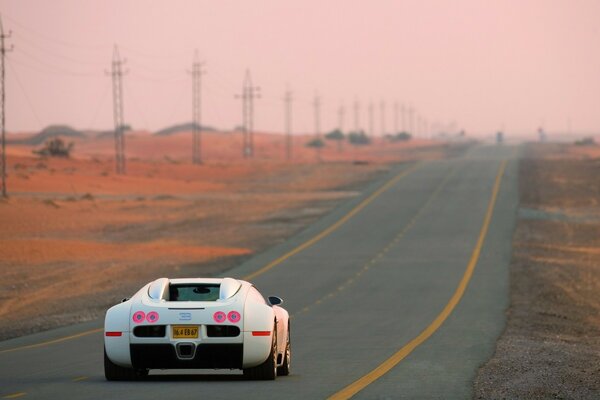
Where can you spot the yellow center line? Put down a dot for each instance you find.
(387, 248)
(333, 227)
(14, 395)
(62, 339)
(80, 378)
(391, 362)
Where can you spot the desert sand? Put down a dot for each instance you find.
(76, 238)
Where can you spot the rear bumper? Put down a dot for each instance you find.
(207, 356)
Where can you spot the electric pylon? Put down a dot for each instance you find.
(356, 110)
(117, 82)
(288, 99)
(197, 73)
(371, 119)
(382, 117)
(396, 118)
(249, 93)
(341, 114)
(3, 51)
(411, 112)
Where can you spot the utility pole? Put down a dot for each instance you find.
(3, 51)
(317, 107)
(382, 112)
(395, 118)
(197, 73)
(403, 111)
(356, 116)
(249, 93)
(418, 125)
(288, 98)
(341, 113)
(117, 76)
(371, 119)
(411, 121)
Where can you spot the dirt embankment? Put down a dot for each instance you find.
(551, 346)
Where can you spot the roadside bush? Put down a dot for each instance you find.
(338, 136)
(586, 141)
(358, 138)
(400, 137)
(316, 143)
(55, 148)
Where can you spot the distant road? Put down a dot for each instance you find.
(398, 294)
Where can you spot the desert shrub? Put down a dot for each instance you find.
(399, 137)
(335, 135)
(338, 136)
(586, 141)
(358, 138)
(87, 196)
(55, 147)
(316, 143)
(50, 203)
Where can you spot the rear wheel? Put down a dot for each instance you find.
(266, 371)
(114, 372)
(284, 370)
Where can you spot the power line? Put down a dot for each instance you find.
(27, 98)
(44, 49)
(3, 51)
(99, 105)
(144, 54)
(57, 69)
(45, 36)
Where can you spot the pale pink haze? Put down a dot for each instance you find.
(483, 65)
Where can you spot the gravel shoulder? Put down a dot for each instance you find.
(551, 345)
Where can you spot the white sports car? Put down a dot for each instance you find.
(197, 324)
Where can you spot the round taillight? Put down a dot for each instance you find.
(139, 317)
(152, 316)
(234, 316)
(219, 316)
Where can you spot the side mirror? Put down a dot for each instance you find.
(125, 299)
(275, 301)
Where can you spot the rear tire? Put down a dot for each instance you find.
(266, 371)
(114, 372)
(284, 370)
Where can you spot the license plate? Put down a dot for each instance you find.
(185, 332)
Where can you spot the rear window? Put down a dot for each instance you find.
(194, 292)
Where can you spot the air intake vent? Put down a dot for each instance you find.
(150, 331)
(222, 331)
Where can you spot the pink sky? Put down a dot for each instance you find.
(483, 64)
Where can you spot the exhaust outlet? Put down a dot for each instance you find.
(185, 351)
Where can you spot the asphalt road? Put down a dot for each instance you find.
(398, 294)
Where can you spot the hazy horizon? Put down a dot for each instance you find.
(478, 66)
